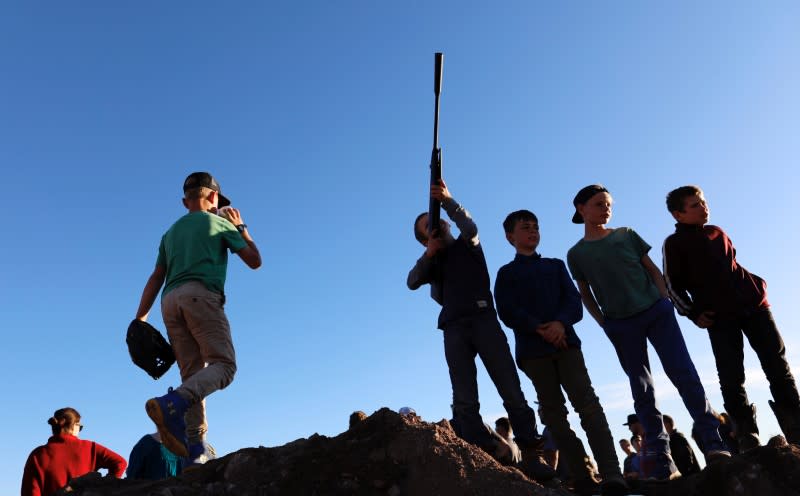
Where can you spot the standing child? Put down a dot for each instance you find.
(536, 298)
(456, 270)
(708, 285)
(625, 293)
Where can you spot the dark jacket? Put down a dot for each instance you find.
(702, 274)
(683, 454)
(457, 274)
(531, 291)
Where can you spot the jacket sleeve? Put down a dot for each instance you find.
(105, 458)
(463, 220)
(421, 273)
(32, 477)
(570, 309)
(509, 310)
(675, 272)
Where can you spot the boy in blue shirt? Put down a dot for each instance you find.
(456, 270)
(538, 301)
(625, 293)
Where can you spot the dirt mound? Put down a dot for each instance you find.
(386, 454)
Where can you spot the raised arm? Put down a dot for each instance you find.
(456, 212)
(421, 273)
(249, 254)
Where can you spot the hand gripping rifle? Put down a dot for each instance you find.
(436, 155)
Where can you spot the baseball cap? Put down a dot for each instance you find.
(205, 180)
(632, 419)
(583, 196)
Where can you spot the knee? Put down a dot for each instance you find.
(227, 372)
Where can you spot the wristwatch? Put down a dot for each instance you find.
(241, 227)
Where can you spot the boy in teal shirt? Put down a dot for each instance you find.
(625, 293)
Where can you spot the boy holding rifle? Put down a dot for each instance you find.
(456, 270)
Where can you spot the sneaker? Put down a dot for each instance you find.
(715, 456)
(167, 413)
(614, 485)
(661, 468)
(199, 453)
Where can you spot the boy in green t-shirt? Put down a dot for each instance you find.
(191, 265)
(625, 293)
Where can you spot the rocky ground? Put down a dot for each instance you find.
(389, 455)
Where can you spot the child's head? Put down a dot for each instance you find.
(592, 204)
(688, 205)
(522, 230)
(421, 228)
(503, 426)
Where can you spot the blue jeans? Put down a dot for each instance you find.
(658, 325)
(482, 336)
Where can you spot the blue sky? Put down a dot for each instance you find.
(316, 119)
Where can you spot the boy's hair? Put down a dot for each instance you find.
(503, 422)
(677, 197)
(668, 420)
(518, 216)
(421, 237)
(195, 193)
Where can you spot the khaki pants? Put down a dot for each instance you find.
(201, 339)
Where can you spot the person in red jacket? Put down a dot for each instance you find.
(64, 457)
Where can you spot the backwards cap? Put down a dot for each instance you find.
(583, 196)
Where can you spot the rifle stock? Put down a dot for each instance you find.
(434, 207)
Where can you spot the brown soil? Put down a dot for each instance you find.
(389, 455)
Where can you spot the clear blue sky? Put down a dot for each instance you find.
(316, 118)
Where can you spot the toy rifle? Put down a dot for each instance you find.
(436, 155)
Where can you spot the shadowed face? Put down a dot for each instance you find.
(525, 236)
(695, 211)
(597, 209)
(422, 228)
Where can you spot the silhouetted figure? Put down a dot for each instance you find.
(537, 299)
(625, 293)
(682, 452)
(502, 427)
(710, 287)
(628, 470)
(456, 270)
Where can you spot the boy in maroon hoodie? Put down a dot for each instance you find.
(707, 285)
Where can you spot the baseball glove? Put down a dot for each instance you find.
(148, 348)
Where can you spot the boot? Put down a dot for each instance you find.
(533, 464)
(746, 428)
(789, 420)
